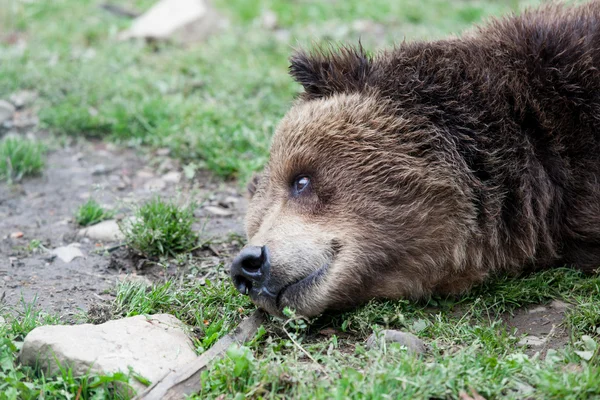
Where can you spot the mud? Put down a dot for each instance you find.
(41, 210)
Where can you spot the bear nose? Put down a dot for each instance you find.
(250, 268)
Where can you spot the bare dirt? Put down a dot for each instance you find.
(43, 208)
(542, 325)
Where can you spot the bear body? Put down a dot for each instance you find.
(429, 167)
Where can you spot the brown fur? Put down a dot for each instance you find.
(436, 164)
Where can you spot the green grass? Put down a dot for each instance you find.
(90, 213)
(20, 157)
(216, 104)
(161, 228)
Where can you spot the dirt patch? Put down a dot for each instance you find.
(542, 326)
(40, 210)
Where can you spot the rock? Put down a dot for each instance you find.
(268, 20)
(22, 99)
(229, 202)
(155, 185)
(413, 344)
(105, 231)
(100, 169)
(134, 278)
(559, 305)
(68, 253)
(172, 177)
(537, 310)
(7, 111)
(531, 341)
(186, 21)
(151, 346)
(16, 235)
(144, 174)
(218, 211)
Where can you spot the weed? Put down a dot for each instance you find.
(20, 157)
(91, 213)
(161, 228)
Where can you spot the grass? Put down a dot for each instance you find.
(216, 106)
(20, 157)
(90, 213)
(161, 228)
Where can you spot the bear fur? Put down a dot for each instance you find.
(434, 165)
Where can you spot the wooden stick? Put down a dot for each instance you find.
(186, 379)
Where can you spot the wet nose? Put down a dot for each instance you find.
(250, 268)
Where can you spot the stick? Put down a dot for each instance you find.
(186, 380)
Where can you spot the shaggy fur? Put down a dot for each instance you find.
(436, 164)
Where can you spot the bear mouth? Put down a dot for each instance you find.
(295, 289)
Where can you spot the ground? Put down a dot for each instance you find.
(124, 122)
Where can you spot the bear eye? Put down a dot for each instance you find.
(300, 184)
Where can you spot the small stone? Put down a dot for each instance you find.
(134, 278)
(105, 231)
(218, 211)
(268, 20)
(163, 152)
(151, 345)
(413, 344)
(229, 202)
(68, 253)
(100, 169)
(7, 111)
(531, 341)
(537, 310)
(16, 235)
(144, 174)
(22, 99)
(155, 185)
(559, 305)
(172, 177)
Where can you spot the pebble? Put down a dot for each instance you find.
(24, 98)
(218, 211)
(7, 111)
(531, 341)
(413, 344)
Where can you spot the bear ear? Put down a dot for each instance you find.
(323, 72)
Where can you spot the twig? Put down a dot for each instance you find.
(186, 379)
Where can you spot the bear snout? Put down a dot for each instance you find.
(250, 270)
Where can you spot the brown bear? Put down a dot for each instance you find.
(427, 168)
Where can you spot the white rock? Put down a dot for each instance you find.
(531, 341)
(7, 111)
(413, 344)
(184, 20)
(559, 305)
(539, 309)
(152, 346)
(105, 231)
(218, 211)
(23, 98)
(155, 185)
(172, 177)
(68, 253)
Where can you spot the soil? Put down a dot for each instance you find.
(543, 322)
(43, 208)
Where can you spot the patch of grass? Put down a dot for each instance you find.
(20, 157)
(161, 228)
(90, 213)
(209, 107)
(213, 309)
